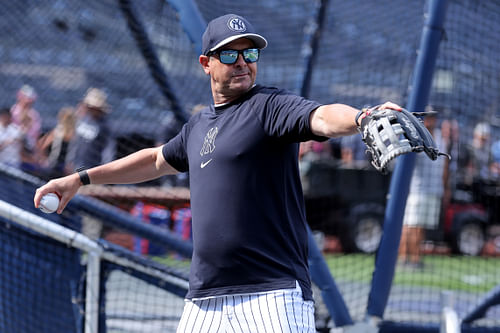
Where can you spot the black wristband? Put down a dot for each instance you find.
(84, 177)
(356, 119)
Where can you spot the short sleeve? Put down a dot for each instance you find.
(174, 151)
(287, 116)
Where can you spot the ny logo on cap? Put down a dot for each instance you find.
(236, 24)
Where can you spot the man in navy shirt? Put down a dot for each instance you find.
(249, 270)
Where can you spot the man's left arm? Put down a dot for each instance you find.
(334, 120)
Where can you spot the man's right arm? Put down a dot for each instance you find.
(144, 165)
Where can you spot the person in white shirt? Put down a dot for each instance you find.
(423, 206)
(10, 140)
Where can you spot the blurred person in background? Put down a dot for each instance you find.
(353, 152)
(27, 118)
(11, 140)
(54, 144)
(91, 144)
(314, 150)
(495, 163)
(336, 148)
(312, 153)
(450, 135)
(423, 205)
(475, 156)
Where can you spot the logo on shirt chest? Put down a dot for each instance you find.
(208, 145)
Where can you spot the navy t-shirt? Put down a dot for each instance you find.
(249, 226)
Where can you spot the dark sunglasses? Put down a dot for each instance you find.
(229, 57)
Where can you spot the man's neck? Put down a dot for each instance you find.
(221, 99)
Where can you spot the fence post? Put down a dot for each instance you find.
(92, 291)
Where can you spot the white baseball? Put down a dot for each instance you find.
(49, 203)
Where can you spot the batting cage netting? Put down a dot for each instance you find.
(135, 65)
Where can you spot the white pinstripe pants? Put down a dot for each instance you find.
(269, 312)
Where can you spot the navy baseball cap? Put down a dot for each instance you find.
(224, 29)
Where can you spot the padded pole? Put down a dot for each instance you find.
(321, 276)
(149, 53)
(310, 47)
(387, 253)
(191, 19)
(491, 299)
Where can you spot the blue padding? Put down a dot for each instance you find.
(321, 276)
(192, 21)
(492, 298)
(400, 181)
(123, 220)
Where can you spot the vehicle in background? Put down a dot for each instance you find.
(347, 203)
(472, 217)
(350, 204)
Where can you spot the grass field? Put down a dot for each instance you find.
(415, 293)
(471, 274)
(461, 273)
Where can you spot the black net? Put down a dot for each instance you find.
(135, 301)
(366, 55)
(40, 283)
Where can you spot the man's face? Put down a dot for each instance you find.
(95, 112)
(25, 102)
(430, 122)
(231, 80)
(4, 119)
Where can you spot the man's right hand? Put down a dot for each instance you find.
(65, 188)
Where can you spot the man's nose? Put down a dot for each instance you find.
(240, 60)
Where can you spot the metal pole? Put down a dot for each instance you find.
(149, 53)
(310, 46)
(321, 276)
(387, 253)
(192, 21)
(92, 291)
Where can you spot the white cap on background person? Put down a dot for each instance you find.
(27, 92)
(96, 99)
(482, 130)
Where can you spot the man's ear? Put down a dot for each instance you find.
(204, 61)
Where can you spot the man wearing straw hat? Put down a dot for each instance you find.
(92, 133)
